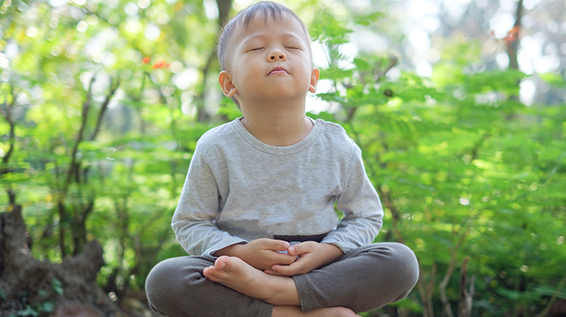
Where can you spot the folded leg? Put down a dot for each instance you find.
(177, 287)
(362, 280)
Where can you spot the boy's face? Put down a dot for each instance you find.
(269, 59)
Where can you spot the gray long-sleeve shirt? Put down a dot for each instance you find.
(239, 189)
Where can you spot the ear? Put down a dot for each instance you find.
(315, 75)
(225, 81)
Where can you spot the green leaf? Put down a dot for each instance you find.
(57, 286)
(335, 72)
(549, 291)
(47, 307)
(326, 116)
(516, 295)
(361, 64)
(328, 30)
(553, 79)
(28, 312)
(367, 19)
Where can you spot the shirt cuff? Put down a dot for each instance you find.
(223, 244)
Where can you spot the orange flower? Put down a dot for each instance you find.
(160, 64)
(146, 60)
(512, 35)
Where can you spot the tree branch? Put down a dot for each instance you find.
(426, 290)
(447, 310)
(395, 214)
(72, 167)
(103, 109)
(554, 297)
(85, 112)
(465, 302)
(12, 134)
(8, 116)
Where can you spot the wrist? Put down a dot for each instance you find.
(231, 250)
(332, 251)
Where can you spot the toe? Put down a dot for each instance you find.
(222, 263)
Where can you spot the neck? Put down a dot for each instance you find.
(276, 123)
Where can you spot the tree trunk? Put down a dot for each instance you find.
(27, 283)
(224, 7)
(465, 302)
(513, 42)
(447, 309)
(426, 291)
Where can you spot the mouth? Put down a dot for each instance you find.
(278, 70)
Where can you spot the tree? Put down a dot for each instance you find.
(102, 104)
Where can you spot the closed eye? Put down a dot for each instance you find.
(293, 48)
(256, 49)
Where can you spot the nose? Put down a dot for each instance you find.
(276, 55)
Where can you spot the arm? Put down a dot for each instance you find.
(195, 228)
(194, 218)
(362, 210)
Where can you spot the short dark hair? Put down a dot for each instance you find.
(265, 8)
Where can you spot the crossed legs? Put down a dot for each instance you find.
(279, 291)
(361, 280)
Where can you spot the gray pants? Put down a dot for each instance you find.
(362, 280)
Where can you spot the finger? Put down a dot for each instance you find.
(300, 248)
(286, 270)
(295, 268)
(282, 258)
(271, 272)
(277, 245)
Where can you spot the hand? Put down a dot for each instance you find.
(311, 255)
(261, 253)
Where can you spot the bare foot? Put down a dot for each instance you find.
(292, 311)
(236, 274)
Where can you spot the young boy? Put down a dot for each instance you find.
(257, 207)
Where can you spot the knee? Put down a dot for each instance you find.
(400, 264)
(407, 267)
(169, 280)
(159, 280)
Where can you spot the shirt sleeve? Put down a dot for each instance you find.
(363, 213)
(197, 211)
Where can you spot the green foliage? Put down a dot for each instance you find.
(462, 167)
(326, 28)
(45, 307)
(553, 79)
(57, 286)
(28, 311)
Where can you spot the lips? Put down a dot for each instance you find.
(278, 70)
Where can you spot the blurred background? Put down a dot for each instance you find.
(458, 106)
